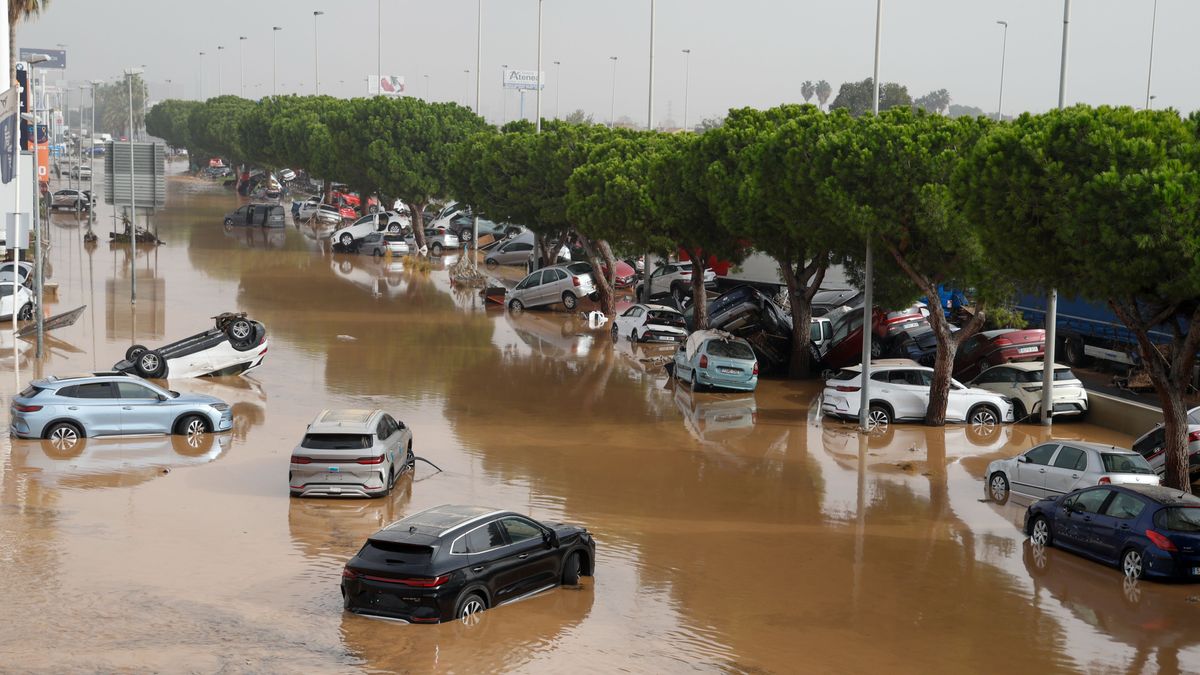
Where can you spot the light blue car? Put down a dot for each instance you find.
(64, 409)
(712, 358)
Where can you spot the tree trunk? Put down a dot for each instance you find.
(947, 349)
(802, 286)
(601, 257)
(418, 214)
(699, 293)
(547, 250)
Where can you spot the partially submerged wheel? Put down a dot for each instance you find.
(26, 312)
(435, 249)
(1132, 564)
(569, 300)
(516, 305)
(133, 352)
(1039, 532)
(468, 608)
(64, 435)
(346, 239)
(151, 364)
(394, 228)
(998, 488)
(983, 416)
(878, 416)
(571, 570)
(191, 426)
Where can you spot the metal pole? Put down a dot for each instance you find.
(220, 85)
(1052, 300)
(503, 95)
(316, 63)
(612, 111)
(864, 404)
(522, 104)
(687, 76)
(466, 86)
(37, 229)
(242, 66)
(1003, 54)
(538, 96)
(1150, 68)
(132, 205)
(378, 40)
(274, 69)
(79, 143)
(92, 162)
(557, 90)
(478, 65)
(650, 96)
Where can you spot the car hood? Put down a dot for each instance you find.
(201, 399)
(976, 391)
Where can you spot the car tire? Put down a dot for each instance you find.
(378, 253)
(468, 607)
(435, 249)
(616, 335)
(633, 336)
(569, 300)
(878, 414)
(410, 460)
(678, 294)
(465, 234)
(1074, 354)
(240, 332)
(389, 484)
(516, 305)
(229, 222)
(65, 432)
(998, 488)
(491, 263)
(1133, 564)
(394, 228)
(150, 363)
(571, 569)
(191, 425)
(1039, 532)
(983, 415)
(346, 240)
(694, 382)
(26, 312)
(133, 352)
(1019, 411)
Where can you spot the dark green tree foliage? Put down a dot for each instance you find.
(214, 126)
(889, 177)
(168, 120)
(858, 97)
(934, 102)
(1103, 204)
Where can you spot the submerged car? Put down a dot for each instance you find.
(452, 562)
(1153, 445)
(64, 409)
(350, 453)
(236, 345)
(75, 200)
(642, 323)
(18, 298)
(511, 252)
(900, 392)
(264, 215)
(550, 286)
(712, 358)
(436, 240)
(1144, 530)
(1058, 467)
(1022, 381)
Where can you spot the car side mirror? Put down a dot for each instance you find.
(161, 398)
(551, 538)
(1022, 459)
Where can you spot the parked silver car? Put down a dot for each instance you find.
(1057, 467)
(436, 240)
(350, 453)
(549, 286)
(512, 252)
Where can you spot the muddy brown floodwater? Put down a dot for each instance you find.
(735, 532)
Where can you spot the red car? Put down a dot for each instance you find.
(993, 347)
(889, 324)
(348, 197)
(626, 275)
(845, 347)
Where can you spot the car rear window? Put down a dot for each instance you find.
(336, 441)
(394, 238)
(668, 318)
(843, 375)
(1060, 375)
(396, 552)
(30, 391)
(729, 349)
(1125, 463)
(1179, 518)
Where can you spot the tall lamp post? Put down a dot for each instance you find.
(538, 93)
(650, 97)
(466, 86)
(132, 196)
(557, 89)
(220, 85)
(503, 95)
(37, 214)
(478, 52)
(200, 89)
(242, 66)
(864, 406)
(687, 76)
(1150, 68)
(1052, 298)
(92, 159)
(316, 62)
(274, 51)
(612, 108)
(1003, 54)
(426, 87)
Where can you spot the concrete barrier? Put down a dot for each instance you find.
(1123, 415)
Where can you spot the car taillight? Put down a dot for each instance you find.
(1194, 436)
(755, 372)
(704, 360)
(1104, 480)
(299, 459)
(575, 281)
(1003, 341)
(1161, 541)
(348, 573)
(26, 408)
(847, 389)
(369, 460)
(417, 582)
(685, 273)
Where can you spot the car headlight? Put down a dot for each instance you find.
(220, 407)
(1006, 399)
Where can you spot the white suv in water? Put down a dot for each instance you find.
(900, 392)
(350, 453)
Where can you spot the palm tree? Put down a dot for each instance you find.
(807, 89)
(17, 11)
(824, 91)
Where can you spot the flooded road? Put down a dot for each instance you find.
(735, 532)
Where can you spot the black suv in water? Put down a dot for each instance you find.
(451, 562)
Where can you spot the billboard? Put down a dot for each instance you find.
(385, 85)
(58, 57)
(10, 107)
(149, 176)
(523, 79)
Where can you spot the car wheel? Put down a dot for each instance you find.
(569, 300)
(571, 569)
(615, 334)
(64, 434)
(983, 416)
(677, 293)
(192, 425)
(1131, 564)
(490, 262)
(1039, 532)
(346, 239)
(394, 228)
(26, 312)
(435, 248)
(998, 488)
(133, 352)
(1019, 411)
(387, 486)
(229, 222)
(468, 607)
(693, 382)
(876, 349)
(878, 415)
(240, 332)
(410, 460)
(516, 305)
(150, 363)
(465, 234)
(633, 336)
(378, 253)
(1073, 353)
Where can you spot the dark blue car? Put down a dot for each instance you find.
(1145, 530)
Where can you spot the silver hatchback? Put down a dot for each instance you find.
(350, 453)
(552, 285)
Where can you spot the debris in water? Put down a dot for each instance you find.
(347, 338)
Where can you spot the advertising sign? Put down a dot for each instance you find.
(385, 85)
(9, 108)
(58, 57)
(523, 79)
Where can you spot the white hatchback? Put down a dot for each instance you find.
(900, 391)
(1023, 383)
(649, 322)
(388, 221)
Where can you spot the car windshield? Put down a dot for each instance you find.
(1179, 518)
(1194, 416)
(394, 238)
(1060, 375)
(730, 349)
(336, 441)
(580, 268)
(6, 290)
(1125, 463)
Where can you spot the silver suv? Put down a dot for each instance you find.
(350, 453)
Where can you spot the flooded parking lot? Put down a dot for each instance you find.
(735, 532)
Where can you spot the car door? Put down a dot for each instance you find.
(1114, 524)
(485, 550)
(529, 288)
(1029, 476)
(95, 405)
(895, 387)
(250, 214)
(141, 410)
(552, 285)
(656, 280)
(1064, 472)
(958, 402)
(529, 564)
(1073, 523)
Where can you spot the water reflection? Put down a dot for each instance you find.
(106, 462)
(147, 318)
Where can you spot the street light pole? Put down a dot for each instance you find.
(1052, 299)
(557, 89)
(200, 89)
(538, 93)
(503, 95)
(612, 110)
(316, 62)
(39, 281)
(864, 404)
(1150, 68)
(426, 87)
(687, 73)
(478, 56)
(241, 66)
(466, 86)
(650, 97)
(220, 86)
(378, 41)
(92, 161)
(1003, 54)
(274, 71)
(132, 198)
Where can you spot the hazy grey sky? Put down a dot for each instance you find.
(744, 53)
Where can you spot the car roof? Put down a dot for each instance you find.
(660, 308)
(1089, 445)
(989, 334)
(1028, 366)
(74, 377)
(885, 364)
(1161, 493)
(343, 419)
(431, 524)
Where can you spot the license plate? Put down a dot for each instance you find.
(906, 326)
(1026, 350)
(731, 371)
(1196, 571)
